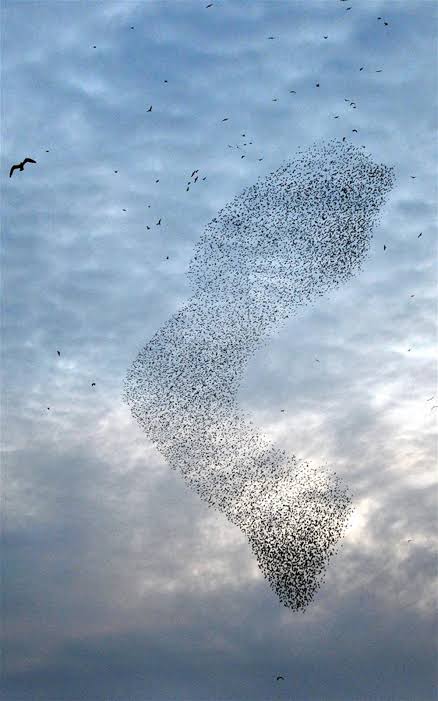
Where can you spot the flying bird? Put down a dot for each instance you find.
(317, 85)
(380, 70)
(294, 91)
(384, 247)
(158, 222)
(420, 234)
(280, 677)
(354, 130)
(150, 109)
(93, 384)
(413, 177)
(20, 166)
(271, 37)
(59, 353)
(361, 69)
(326, 37)
(430, 398)
(337, 117)
(225, 119)
(194, 173)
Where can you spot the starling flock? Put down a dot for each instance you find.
(299, 232)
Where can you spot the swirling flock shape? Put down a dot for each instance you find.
(297, 233)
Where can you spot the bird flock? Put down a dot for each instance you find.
(299, 232)
(290, 238)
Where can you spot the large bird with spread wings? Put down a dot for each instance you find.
(20, 166)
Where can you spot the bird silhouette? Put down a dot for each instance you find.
(20, 166)
(158, 222)
(317, 85)
(225, 119)
(354, 130)
(194, 173)
(280, 677)
(293, 91)
(420, 234)
(93, 384)
(150, 109)
(59, 353)
(384, 247)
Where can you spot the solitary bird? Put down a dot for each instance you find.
(420, 234)
(326, 37)
(20, 166)
(59, 353)
(158, 222)
(361, 69)
(280, 677)
(293, 91)
(225, 119)
(150, 109)
(354, 130)
(271, 37)
(93, 384)
(413, 177)
(384, 247)
(380, 70)
(317, 85)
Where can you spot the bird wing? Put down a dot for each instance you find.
(14, 167)
(28, 160)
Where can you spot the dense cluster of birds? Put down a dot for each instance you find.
(291, 237)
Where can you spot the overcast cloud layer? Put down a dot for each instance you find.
(118, 582)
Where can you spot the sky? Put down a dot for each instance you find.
(118, 582)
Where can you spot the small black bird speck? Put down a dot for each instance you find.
(420, 234)
(326, 37)
(293, 91)
(317, 85)
(225, 119)
(354, 130)
(384, 247)
(20, 166)
(93, 384)
(157, 181)
(150, 109)
(280, 677)
(158, 222)
(361, 69)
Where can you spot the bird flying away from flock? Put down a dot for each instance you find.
(20, 166)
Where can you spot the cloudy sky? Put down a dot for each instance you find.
(119, 584)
